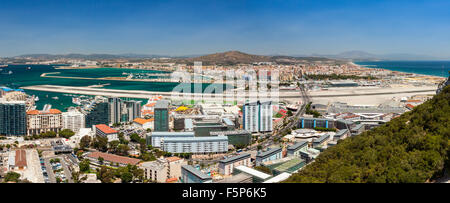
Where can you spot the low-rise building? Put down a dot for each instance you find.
(155, 138)
(17, 160)
(342, 134)
(236, 137)
(268, 155)
(111, 159)
(143, 123)
(289, 164)
(190, 174)
(258, 176)
(103, 130)
(316, 123)
(358, 129)
(294, 150)
(188, 125)
(196, 145)
(239, 178)
(309, 154)
(163, 170)
(227, 165)
(321, 141)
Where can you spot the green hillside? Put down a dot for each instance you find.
(410, 149)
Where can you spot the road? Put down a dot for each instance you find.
(292, 121)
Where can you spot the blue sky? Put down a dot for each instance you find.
(182, 27)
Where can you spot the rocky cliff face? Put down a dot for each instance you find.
(443, 85)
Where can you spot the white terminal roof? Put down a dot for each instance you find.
(253, 172)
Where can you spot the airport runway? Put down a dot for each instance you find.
(228, 96)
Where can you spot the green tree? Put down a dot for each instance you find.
(66, 133)
(85, 142)
(123, 149)
(84, 165)
(105, 174)
(289, 113)
(76, 176)
(126, 177)
(101, 143)
(135, 137)
(101, 160)
(259, 147)
(12, 177)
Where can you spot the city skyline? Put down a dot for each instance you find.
(178, 28)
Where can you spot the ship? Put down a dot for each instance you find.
(76, 101)
(55, 98)
(36, 99)
(7, 73)
(29, 68)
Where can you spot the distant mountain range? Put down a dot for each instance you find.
(89, 56)
(234, 57)
(237, 57)
(225, 58)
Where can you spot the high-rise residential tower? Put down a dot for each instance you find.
(258, 117)
(161, 116)
(13, 121)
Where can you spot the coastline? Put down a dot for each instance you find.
(385, 69)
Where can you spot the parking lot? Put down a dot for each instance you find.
(55, 170)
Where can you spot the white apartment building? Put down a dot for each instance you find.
(73, 120)
(163, 169)
(195, 145)
(258, 117)
(227, 165)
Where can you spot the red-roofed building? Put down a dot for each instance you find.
(21, 159)
(105, 131)
(143, 123)
(43, 121)
(409, 106)
(111, 159)
(172, 180)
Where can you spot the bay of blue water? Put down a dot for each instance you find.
(434, 68)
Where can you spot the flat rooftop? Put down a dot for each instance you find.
(172, 134)
(253, 172)
(162, 104)
(196, 172)
(235, 158)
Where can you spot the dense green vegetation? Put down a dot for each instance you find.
(308, 111)
(325, 129)
(410, 149)
(338, 77)
(127, 174)
(12, 177)
(66, 133)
